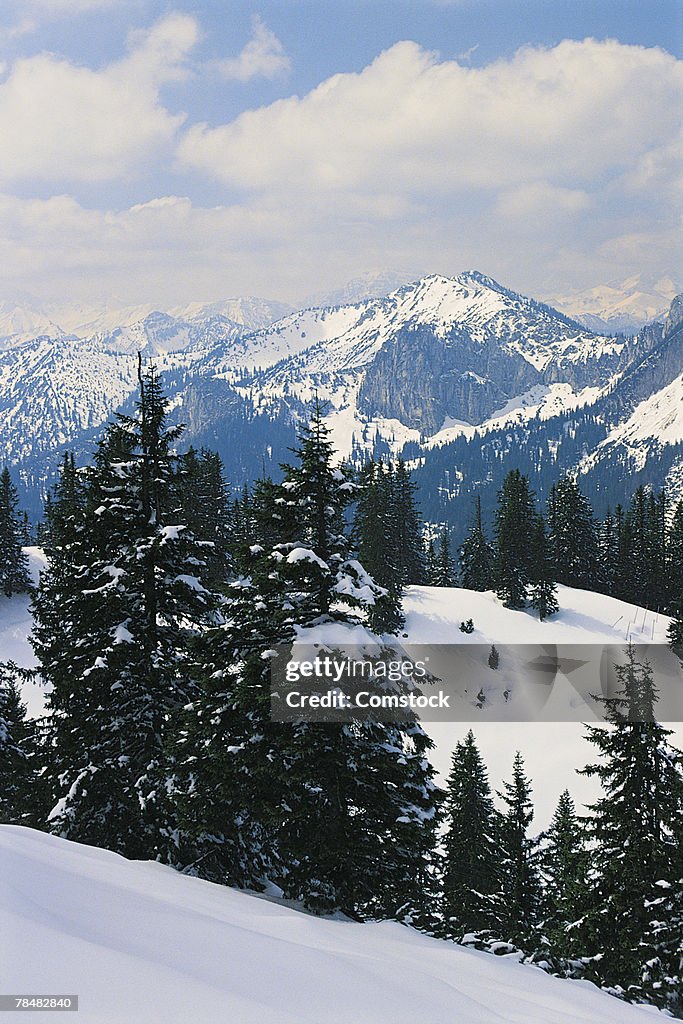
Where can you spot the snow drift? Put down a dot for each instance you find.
(142, 944)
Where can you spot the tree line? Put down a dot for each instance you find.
(156, 618)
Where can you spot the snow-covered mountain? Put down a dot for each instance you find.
(621, 306)
(432, 361)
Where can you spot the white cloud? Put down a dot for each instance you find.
(263, 56)
(60, 121)
(568, 115)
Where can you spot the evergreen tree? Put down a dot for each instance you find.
(18, 798)
(374, 531)
(342, 816)
(407, 540)
(471, 868)
(203, 499)
(564, 862)
(431, 564)
(633, 926)
(116, 612)
(14, 573)
(607, 536)
(572, 536)
(515, 530)
(521, 890)
(674, 578)
(543, 593)
(476, 556)
(443, 569)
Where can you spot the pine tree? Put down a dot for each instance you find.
(633, 926)
(521, 891)
(564, 863)
(18, 797)
(471, 867)
(607, 537)
(515, 529)
(342, 816)
(443, 569)
(543, 595)
(203, 499)
(116, 613)
(14, 573)
(476, 556)
(431, 565)
(407, 540)
(374, 531)
(572, 536)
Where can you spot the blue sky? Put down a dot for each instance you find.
(166, 152)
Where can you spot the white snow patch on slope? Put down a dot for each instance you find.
(16, 623)
(143, 944)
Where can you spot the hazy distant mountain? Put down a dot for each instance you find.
(624, 306)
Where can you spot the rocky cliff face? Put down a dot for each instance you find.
(421, 379)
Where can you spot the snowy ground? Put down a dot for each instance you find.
(15, 626)
(141, 944)
(553, 748)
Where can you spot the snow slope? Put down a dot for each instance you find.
(142, 944)
(16, 624)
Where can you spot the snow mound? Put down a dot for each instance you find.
(142, 944)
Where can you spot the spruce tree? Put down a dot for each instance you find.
(116, 613)
(471, 856)
(632, 926)
(14, 573)
(444, 570)
(520, 881)
(342, 816)
(374, 532)
(407, 540)
(572, 536)
(543, 594)
(515, 529)
(564, 862)
(18, 737)
(476, 556)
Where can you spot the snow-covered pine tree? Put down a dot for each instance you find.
(674, 578)
(14, 573)
(203, 499)
(476, 556)
(515, 527)
(19, 803)
(520, 879)
(362, 801)
(543, 592)
(471, 858)
(572, 535)
(116, 613)
(632, 927)
(564, 862)
(340, 816)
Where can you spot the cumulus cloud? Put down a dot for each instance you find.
(552, 169)
(576, 112)
(263, 56)
(60, 121)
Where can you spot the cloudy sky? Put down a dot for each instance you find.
(167, 152)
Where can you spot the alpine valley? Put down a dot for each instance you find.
(460, 376)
